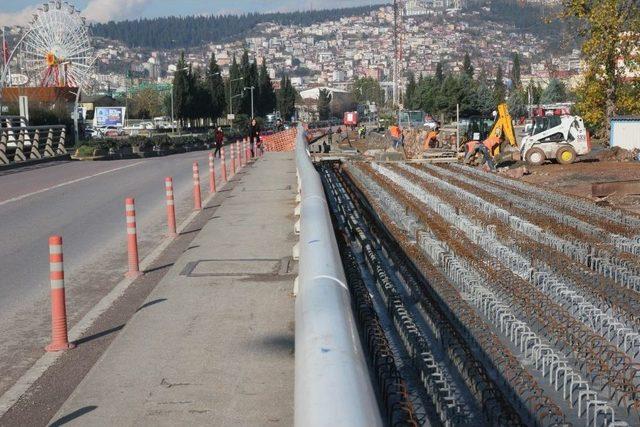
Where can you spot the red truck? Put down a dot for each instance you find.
(350, 119)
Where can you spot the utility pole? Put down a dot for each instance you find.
(457, 129)
(252, 88)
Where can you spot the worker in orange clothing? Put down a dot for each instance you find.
(487, 148)
(397, 137)
(431, 141)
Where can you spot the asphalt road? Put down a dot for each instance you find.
(84, 203)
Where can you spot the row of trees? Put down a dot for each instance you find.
(479, 94)
(206, 95)
(188, 31)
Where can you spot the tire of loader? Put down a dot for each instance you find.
(535, 156)
(566, 155)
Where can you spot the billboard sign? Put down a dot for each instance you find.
(109, 116)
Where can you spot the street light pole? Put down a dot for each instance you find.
(252, 88)
(173, 129)
(231, 95)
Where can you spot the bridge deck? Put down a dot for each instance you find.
(215, 340)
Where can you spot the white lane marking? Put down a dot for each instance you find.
(64, 184)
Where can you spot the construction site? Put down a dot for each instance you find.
(484, 299)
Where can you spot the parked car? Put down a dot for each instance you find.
(110, 131)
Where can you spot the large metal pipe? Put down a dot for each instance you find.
(332, 382)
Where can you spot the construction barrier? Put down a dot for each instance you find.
(332, 383)
(281, 141)
(20, 142)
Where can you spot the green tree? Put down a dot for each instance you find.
(499, 90)
(234, 87)
(250, 78)
(467, 67)
(146, 104)
(440, 72)
(367, 89)
(484, 100)
(535, 91)
(181, 90)
(286, 98)
(515, 71)
(556, 91)
(609, 29)
(216, 92)
(324, 104)
(517, 103)
(410, 92)
(266, 94)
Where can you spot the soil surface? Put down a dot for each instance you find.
(576, 178)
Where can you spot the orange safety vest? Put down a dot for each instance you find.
(395, 131)
(431, 136)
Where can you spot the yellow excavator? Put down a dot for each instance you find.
(500, 140)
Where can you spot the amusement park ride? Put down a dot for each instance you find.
(53, 55)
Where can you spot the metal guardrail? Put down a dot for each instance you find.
(332, 382)
(20, 142)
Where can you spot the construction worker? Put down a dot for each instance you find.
(431, 141)
(487, 148)
(397, 137)
(362, 132)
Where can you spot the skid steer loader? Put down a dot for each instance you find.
(560, 138)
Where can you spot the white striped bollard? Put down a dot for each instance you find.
(132, 238)
(197, 195)
(171, 209)
(223, 165)
(59, 333)
(233, 160)
(212, 174)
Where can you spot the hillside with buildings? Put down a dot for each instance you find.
(334, 52)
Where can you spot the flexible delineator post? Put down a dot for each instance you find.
(59, 333)
(171, 211)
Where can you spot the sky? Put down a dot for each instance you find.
(18, 12)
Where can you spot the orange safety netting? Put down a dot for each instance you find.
(281, 141)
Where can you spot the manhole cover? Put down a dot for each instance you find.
(236, 267)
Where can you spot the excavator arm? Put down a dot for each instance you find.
(503, 128)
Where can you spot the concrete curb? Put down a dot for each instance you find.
(26, 163)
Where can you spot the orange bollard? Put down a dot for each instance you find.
(197, 195)
(59, 333)
(223, 164)
(132, 238)
(239, 160)
(212, 174)
(171, 211)
(233, 161)
(245, 147)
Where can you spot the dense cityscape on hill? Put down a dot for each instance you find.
(334, 47)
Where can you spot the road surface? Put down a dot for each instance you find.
(84, 203)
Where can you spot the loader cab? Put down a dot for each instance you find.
(543, 124)
(478, 128)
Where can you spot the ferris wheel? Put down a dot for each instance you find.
(56, 51)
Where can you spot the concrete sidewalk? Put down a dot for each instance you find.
(213, 345)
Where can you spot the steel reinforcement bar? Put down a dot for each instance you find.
(449, 406)
(515, 380)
